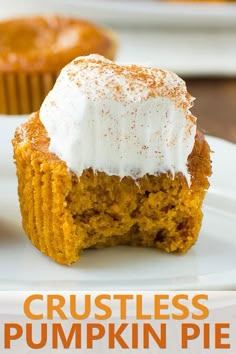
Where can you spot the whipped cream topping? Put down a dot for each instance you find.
(121, 120)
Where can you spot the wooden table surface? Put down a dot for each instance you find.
(215, 106)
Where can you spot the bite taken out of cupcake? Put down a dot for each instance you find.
(112, 157)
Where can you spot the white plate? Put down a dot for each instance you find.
(123, 12)
(211, 264)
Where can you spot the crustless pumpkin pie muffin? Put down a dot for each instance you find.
(33, 51)
(113, 157)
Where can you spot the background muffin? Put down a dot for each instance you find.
(33, 50)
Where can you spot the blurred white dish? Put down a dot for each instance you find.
(189, 53)
(211, 264)
(123, 12)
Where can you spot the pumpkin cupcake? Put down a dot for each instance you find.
(113, 157)
(33, 50)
